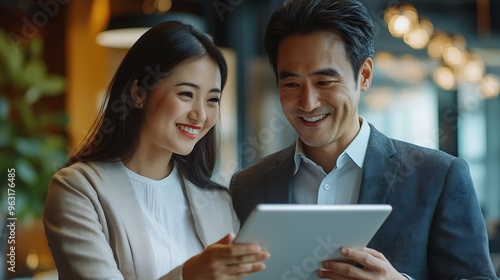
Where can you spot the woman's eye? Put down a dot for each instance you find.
(214, 100)
(187, 94)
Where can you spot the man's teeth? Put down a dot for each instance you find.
(188, 129)
(314, 119)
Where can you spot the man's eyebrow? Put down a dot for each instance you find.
(327, 72)
(323, 72)
(196, 86)
(286, 74)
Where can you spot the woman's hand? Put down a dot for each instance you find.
(224, 260)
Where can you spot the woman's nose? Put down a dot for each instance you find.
(198, 113)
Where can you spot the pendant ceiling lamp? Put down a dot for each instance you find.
(123, 31)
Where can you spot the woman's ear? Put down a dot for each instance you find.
(366, 74)
(138, 94)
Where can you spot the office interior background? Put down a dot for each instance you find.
(436, 84)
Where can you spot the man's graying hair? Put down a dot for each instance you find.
(349, 19)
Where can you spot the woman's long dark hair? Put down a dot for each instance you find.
(115, 133)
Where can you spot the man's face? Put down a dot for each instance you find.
(318, 92)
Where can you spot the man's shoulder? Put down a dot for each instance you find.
(404, 149)
(270, 162)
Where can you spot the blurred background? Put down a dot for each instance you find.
(436, 84)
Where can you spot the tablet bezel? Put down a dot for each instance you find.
(278, 228)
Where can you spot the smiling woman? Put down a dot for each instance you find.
(177, 114)
(140, 184)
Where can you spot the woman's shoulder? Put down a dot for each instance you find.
(86, 171)
(90, 167)
(74, 170)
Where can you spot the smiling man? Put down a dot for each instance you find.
(321, 52)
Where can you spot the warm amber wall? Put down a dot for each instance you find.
(87, 70)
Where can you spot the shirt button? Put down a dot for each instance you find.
(327, 187)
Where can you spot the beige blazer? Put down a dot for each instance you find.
(95, 228)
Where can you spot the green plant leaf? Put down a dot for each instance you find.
(52, 85)
(32, 95)
(34, 72)
(28, 124)
(25, 171)
(5, 134)
(3, 78)
(36, 47)
(28, 147)
(33, 144)
(12, 57)
(7, 157)
(53, 161)
(4, 108)
(57, 119)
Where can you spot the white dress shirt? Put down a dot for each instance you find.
(311, 185)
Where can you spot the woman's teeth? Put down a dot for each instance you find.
(188, 129)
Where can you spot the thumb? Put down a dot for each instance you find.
(228, 239)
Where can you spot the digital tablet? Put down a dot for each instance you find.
(300, 236)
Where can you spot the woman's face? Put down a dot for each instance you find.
(182, 108)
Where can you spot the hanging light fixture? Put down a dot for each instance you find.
(401, 20)
(444, 78)
(458, 64)
(124, 30)
(489, 86)
(419, 36)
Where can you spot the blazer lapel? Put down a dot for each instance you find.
(379, 169)
(211, 213)
(122, 196)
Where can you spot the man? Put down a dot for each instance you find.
(321, 52)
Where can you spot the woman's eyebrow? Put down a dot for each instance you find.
(196, 86)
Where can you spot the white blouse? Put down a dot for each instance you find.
(168, 218)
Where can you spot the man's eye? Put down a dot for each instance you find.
(291, 85)
(325, 83)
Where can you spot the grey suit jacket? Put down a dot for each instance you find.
(436, 229)
(95, 227)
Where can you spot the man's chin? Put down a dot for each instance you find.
(313, 142)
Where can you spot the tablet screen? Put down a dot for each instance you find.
(300, 236)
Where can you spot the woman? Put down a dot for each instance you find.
(136, 200)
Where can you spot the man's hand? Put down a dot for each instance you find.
(375, 266)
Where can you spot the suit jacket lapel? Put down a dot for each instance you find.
(278, 187)
(122, 196)
(379, 172)
(379, 169)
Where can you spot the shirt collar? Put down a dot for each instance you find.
(356, 150)
(299, 154)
